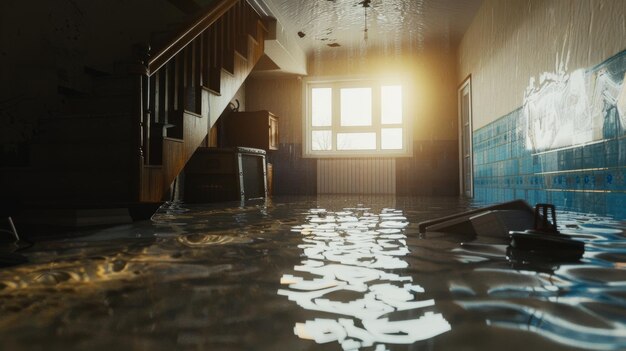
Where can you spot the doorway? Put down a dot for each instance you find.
(466, 173)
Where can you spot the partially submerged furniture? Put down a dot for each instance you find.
(532, 234)
(491, 220)
(254, 129)
(225, 174)
(544, 240)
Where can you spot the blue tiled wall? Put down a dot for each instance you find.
(588, 178)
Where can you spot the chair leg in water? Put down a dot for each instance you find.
(13, 230)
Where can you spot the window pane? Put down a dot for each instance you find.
(321, 140)
(356, 141)
(391, 104)
(391, 138)
(321, 107)
(356, 107)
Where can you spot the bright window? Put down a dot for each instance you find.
(356, 141)
(355, 118)
(322, 109)
(356, 106)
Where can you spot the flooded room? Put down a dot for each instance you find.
(313, 175)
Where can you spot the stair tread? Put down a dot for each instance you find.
(225, 70)
(178, 140)
(192, 113)
(250, 36)
(212, 91)
(242, 55)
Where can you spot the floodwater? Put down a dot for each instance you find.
(313, 273)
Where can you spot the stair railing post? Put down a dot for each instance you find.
(141, 127)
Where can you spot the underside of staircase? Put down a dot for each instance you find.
(189, 92)
(127, 140)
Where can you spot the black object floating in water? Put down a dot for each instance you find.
(544, 240)
(463, 223)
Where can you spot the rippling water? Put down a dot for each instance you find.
(327, 273)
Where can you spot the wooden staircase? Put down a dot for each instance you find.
(187, 85)
(127, 141)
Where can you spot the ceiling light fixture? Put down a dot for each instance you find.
(365, 4)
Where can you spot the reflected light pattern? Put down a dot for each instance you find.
(206, 278)
(353, 251)
(561, 328)
(566, 109)
(577, 305)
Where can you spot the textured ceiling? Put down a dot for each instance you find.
(327, 24)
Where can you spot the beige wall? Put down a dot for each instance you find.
(433, 95)
(511, 41)
(431, 72)
(281, 96)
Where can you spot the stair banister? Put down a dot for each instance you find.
(183, 39)
(177, 84)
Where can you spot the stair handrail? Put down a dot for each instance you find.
(188, 34)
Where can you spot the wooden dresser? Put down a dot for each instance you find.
(256, 129)
(247, 129)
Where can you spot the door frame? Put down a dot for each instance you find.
(467, 83)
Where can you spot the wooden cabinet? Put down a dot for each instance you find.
(257, 129)
(225, 174)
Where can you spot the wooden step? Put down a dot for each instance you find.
(243, 56)
(230, 72)
(241, 44)
(229, 84)
(215, 78)
(217, 93)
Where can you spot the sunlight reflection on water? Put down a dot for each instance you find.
(354, 250)
(231, 277)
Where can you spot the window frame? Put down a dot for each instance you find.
(337, 83)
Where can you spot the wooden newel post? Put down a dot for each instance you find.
(141, 111)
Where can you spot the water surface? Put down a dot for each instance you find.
(313, 273)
